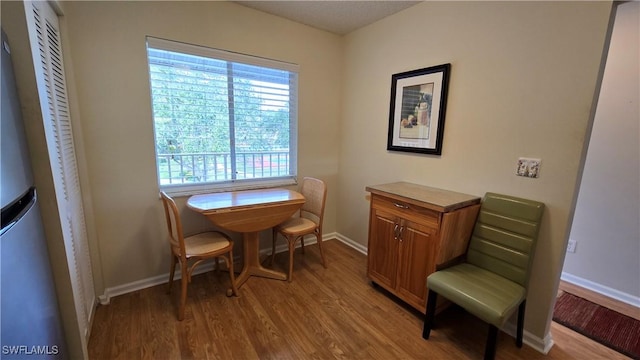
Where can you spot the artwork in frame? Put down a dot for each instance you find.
(417, 110)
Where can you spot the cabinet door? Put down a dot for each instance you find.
(383, 249)
(417, 247)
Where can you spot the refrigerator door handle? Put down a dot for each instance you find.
(11, 214)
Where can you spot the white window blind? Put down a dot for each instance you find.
(221, 119)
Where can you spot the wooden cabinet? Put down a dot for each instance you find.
(412, 230)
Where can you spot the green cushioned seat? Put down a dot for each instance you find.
(486, 295)
(492, 282)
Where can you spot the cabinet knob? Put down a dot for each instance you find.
(401, 206)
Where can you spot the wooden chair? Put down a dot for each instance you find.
(493, 281)
(195, 248)
(308, 222)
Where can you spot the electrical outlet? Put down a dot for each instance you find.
(528, 167)
(571, 247)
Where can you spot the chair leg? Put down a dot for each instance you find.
(217, 265)
(232, 276)
(183, 294)
(172, 271)
(430, 314)
(520, 328)
(302, 244)
(319, 241)
(273, 245)
(492, 341)
(292, 245)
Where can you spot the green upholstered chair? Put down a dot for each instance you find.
(492, 282)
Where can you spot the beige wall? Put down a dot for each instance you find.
(523, 77)
(107, 47)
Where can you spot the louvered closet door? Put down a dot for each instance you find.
(44, 35)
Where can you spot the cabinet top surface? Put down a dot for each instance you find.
(437, 199)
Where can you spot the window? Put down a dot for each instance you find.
(222, 120)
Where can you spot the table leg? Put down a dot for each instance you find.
(251, 261)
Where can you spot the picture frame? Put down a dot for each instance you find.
(417, 110)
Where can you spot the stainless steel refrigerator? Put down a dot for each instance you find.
(31, 326)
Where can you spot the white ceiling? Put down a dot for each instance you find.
(339, 17)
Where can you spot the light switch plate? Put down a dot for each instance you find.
(528, 167)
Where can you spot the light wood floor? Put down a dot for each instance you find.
(323, 314)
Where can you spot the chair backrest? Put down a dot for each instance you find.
(315, 194)
(505, 236)
(174, 225)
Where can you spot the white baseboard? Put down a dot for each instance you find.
(539, 344)
(601, 289)
(349, 242)
(110, 292)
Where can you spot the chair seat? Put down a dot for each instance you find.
(204, 243)
(296, 226)
(484, 294)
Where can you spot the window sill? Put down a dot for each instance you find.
(194, 189)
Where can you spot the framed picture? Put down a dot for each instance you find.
(417, 110)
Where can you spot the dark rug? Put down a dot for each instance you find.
(612, 329)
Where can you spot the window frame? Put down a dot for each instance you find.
(235, 184)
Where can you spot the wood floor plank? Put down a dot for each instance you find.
(338, 311)
(99, 344)
(120, 342)
(160, 338)
(289, 327)
(332, 313)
